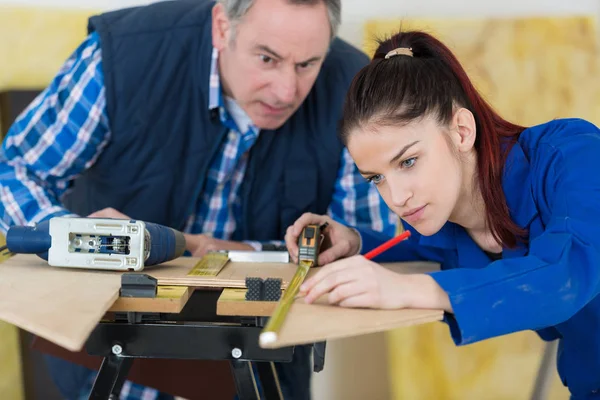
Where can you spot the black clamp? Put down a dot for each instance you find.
(319, 356)
(260, 289)
(138, 285)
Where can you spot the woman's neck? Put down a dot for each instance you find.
(470, 210)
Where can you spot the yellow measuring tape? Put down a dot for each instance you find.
(271, 330)
(308, 251)
(210, 265)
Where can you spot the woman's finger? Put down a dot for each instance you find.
(322, 273)
(291, 242)
(363, 300)
(328, 283)
(346, 291)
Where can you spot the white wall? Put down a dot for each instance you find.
(356, 11)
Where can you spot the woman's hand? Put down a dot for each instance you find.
(339, 240)
(358, 282)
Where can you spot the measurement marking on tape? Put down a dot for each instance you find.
(210, 265)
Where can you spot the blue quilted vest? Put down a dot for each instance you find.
(156, 62)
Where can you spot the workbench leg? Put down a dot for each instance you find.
(269, 380)
(245, 381)
(110, 378)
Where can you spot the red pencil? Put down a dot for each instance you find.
(383, 247)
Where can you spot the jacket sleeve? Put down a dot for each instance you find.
(559, 275)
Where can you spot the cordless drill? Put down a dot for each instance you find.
(97, 243)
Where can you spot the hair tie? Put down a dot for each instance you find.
(404, 51)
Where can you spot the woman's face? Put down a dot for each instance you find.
(416, 168)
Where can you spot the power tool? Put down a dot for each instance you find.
(97, 243)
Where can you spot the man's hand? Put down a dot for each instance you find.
(199, 245)
(339, 240)
(108, 213)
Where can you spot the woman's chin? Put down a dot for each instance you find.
(426, 227)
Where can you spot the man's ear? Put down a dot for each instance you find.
(221, 27)
(465, 129)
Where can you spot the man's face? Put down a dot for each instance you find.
(270, 58)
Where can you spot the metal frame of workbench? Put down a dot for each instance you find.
(195, 333)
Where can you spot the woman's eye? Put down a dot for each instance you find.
(409, 162)
(376, 179)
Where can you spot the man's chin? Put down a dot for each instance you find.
(270, 123)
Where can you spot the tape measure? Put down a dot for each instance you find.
(308, 252)
(210, 265)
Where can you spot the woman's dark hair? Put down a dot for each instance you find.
(403, 88)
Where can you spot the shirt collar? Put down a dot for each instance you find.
(229, 109)
(516, 183)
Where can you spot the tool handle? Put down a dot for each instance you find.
(165, 243)
(29, 239)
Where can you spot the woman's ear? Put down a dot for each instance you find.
(465, 128)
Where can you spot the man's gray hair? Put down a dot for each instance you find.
(236, 9)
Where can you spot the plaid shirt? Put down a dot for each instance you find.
(66, 127)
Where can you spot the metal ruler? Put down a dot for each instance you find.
(212, 263)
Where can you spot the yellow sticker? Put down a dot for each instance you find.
(210, 265)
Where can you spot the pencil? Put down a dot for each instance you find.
(385, 246)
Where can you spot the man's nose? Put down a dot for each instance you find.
(286, 86)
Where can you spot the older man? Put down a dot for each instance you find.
(219, 120)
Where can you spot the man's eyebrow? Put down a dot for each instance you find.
(271, 52)
(275, 55)
(396, 157)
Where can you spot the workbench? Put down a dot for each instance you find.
(190, 318)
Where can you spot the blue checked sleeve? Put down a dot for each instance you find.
(60, 134)
(356, 202)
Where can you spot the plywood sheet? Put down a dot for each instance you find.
(232, 301)
(233, 275)
(58, 304)
(309, 323)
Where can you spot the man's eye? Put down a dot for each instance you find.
(376, 179)
(409, 162)
(305, 65)
(265, 59)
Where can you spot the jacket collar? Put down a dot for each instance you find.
(519, 197)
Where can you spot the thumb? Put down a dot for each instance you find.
(337, 251)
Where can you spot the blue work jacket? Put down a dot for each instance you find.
(549, 284)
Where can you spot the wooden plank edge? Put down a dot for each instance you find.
(435, 315)
(164, 302)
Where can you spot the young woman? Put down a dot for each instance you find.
(512, 214)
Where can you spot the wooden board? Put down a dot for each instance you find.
(233, 275)
(169, 299)
(232, 301)
(309, 323)
(59, 304)
(63, 305)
